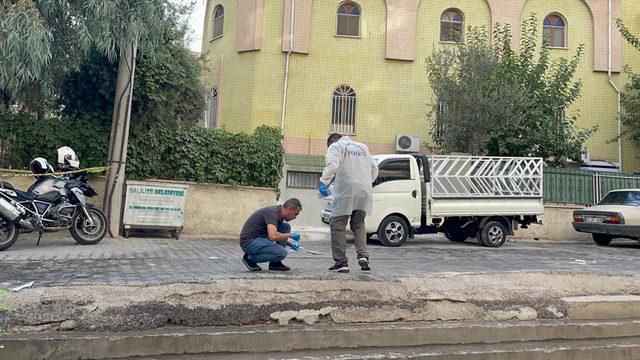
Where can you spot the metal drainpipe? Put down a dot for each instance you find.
(617, 90)
(286, 68)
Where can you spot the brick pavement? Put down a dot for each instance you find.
(137, 261)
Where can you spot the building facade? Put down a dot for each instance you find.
(358, 67)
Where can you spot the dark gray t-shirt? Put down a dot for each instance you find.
(256, 224)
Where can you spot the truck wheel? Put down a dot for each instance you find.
(602, 239)
(456, 236)
(493, 234)
(393, 231)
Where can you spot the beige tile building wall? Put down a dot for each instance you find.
(385, 65)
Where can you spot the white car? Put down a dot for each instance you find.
(617, 215)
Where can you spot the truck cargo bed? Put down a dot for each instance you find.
(485, 177)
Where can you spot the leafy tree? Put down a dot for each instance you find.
(41, 39)
(627, 34)
(114, 27)
(80, 102)
(493, 100)
(630, 115)
(168, 89)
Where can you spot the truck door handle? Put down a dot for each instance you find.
(414, 193)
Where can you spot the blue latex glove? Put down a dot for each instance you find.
(295, 235)
(324, 189)
(295, 246)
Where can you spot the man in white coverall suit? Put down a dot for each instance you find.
(350, 165)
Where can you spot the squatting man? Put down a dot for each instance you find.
(267, 232)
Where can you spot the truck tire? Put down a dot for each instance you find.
(456, 236)
(393, 231)
(492, 234)
(602, 239)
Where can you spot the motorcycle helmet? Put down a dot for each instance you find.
(40, 166)
(67, 159)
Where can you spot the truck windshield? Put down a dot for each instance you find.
(393, 170)
(631, 198)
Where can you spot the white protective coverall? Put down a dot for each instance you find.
(354, 170)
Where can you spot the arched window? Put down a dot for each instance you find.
(211, 113)
(348, 19)
(218, 21)
(554, 31)
(452, 26)
(343, 110)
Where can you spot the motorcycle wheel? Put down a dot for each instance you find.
(8, 234)
(85, 233)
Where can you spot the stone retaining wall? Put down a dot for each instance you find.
(211, 208)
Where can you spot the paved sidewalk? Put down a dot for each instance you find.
(148, 283)
(139, 261)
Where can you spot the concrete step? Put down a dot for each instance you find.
(619, 349)
(238, 340)
(602, 307)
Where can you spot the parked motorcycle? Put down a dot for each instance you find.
(52, 203)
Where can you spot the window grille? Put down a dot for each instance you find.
(343, 112)
(303, 180)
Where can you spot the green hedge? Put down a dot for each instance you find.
(205, 155)
(23, 137)
(190, 154)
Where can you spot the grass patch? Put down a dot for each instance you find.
(3, 306)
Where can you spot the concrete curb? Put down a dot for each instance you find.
(589, 349)
(265, 301)
(602, 307)
(272, 339)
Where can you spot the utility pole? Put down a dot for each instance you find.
(117, 160)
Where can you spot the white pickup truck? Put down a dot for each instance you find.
(462, 196)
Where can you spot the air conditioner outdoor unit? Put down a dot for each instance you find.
(585, 155)
(407, 143)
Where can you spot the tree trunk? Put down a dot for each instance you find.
(5, 95)
(114, 187)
